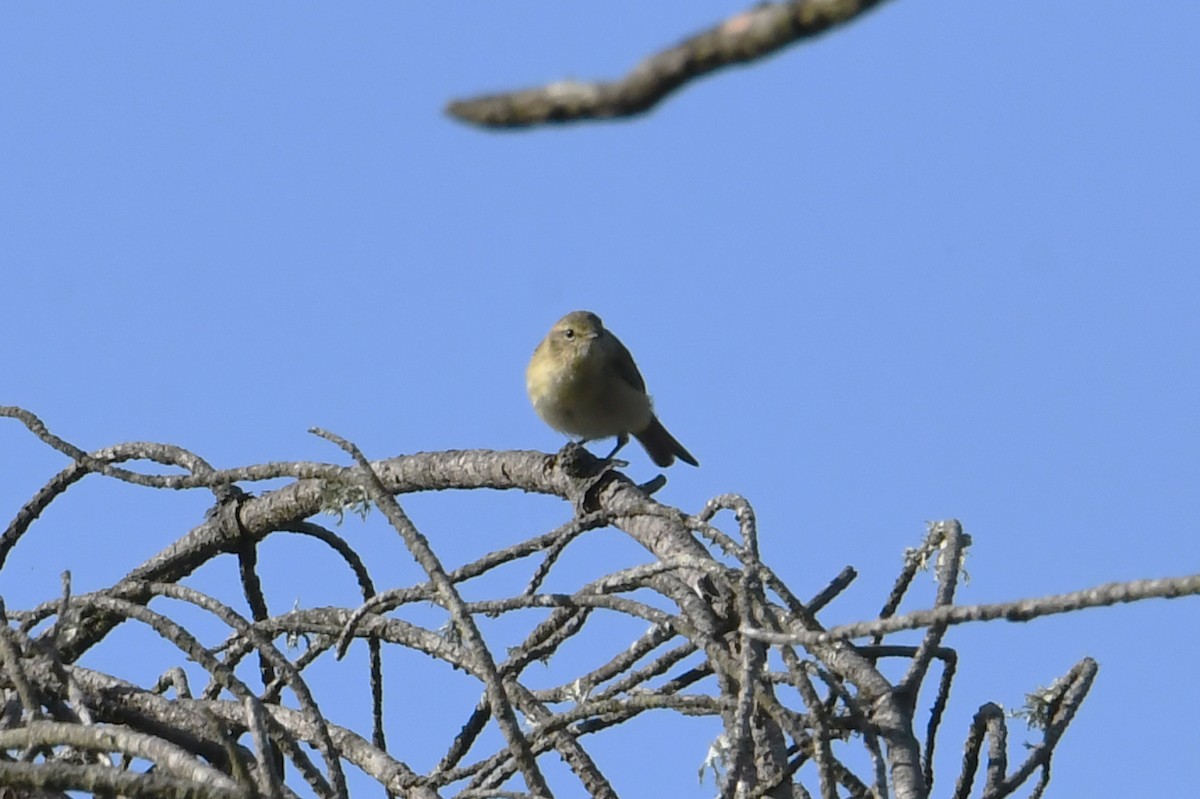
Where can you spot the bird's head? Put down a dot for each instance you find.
(575, 332)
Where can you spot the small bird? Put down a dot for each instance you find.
(583, 382)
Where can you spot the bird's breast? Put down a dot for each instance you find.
(582, 398)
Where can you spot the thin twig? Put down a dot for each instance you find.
(1017, 611)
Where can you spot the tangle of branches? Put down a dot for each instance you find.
(719, 635)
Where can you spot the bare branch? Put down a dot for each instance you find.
(168, 758)
(705, 607)
(1020, 610)
(103, 780)
(418, 545)
(753, 34)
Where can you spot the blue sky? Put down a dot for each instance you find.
(939, 263)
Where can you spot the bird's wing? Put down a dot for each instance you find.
(626, 369)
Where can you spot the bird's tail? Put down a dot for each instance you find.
(662, 446)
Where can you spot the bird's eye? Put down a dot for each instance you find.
(569, 333)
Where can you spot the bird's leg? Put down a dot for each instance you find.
(622, 440)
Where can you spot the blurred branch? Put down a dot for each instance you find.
(751, 35)
(170, 760)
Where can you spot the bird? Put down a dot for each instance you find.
(582, 381)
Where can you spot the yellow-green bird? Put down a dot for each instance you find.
(583, 382)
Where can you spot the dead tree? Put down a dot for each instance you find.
(704, 596)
